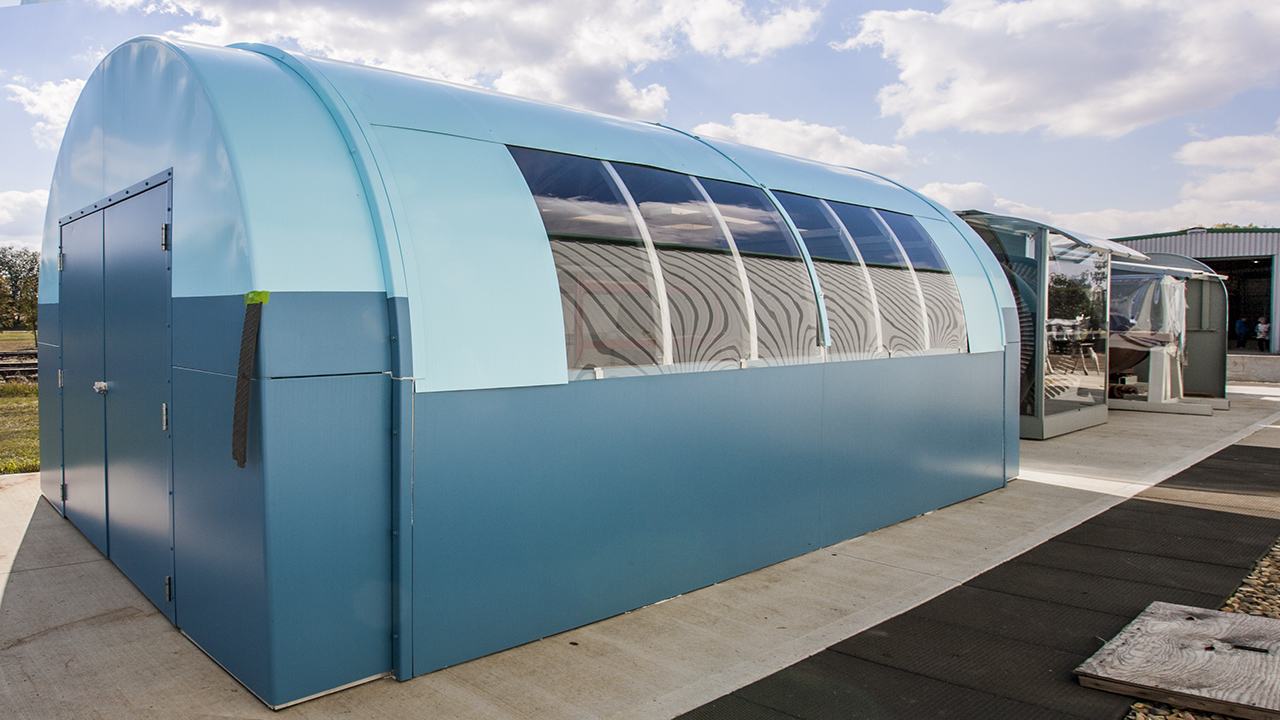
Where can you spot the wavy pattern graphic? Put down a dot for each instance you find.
(610, 310)
(944, 310)
(786, 309)
(708, 307)
(849, 308)
(899, 309)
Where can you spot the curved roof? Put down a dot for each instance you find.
(294, 173)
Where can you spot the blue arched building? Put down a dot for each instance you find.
(519, 367)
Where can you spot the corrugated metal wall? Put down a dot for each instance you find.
(1210, 244)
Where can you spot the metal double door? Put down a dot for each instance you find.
(115, 309)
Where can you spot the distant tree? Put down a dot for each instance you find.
(20, 281)
(1231, 226)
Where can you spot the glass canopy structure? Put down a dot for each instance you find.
(1061, 283)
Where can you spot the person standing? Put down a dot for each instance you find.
(1263, 332)
(1242, 333)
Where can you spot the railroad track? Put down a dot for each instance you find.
(18, 369)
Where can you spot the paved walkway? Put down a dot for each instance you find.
(77, 640)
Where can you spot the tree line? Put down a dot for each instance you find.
(19, 284)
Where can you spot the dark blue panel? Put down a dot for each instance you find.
(904, 436)
(302, 333)
(327, 450)
(401, 489)
(83, 410)
(540, 509)
(136, 301)
(50, 419)
(220, 580)
(48, 324)
(1012, 391)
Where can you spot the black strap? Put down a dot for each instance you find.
(248, 351)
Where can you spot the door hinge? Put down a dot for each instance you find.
(59, 377)
(164, 416)
(164, 236)
(64, 492)
(60, 260)
(168, 588)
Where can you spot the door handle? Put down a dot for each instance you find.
(100, 388)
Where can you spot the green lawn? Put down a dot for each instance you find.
(17, 340)
(19, 428)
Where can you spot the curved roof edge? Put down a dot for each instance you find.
(1108, 246)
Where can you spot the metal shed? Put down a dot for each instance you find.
(519, 367)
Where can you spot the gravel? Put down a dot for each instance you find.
(1259, 594)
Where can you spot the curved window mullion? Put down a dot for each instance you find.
(915, 280)
(824, 326)
(875, 305)
(753, 338)
(660, 286)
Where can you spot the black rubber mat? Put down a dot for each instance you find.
(732, 707)
(1004, 644)
(1124, 565)
(835, 686)
(1061, 627)
(1248, 453)
(1152, 541)
(1233, 478)
(1085, 590)
(1191, 521)
(1025, 672)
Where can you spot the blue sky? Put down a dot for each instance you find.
(1111, 117)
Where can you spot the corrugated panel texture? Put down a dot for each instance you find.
(1211, 244)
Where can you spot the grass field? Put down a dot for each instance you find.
(19, 428)
(17, 340)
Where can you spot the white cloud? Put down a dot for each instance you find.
(576, 52)
(22, 217)
(51, 102)
(1236, 180)
(1083, 67)
(809, 140)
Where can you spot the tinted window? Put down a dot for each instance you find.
(607, 288)
(915, 241)
(868, 233)
(897, 296)
(708, 305)
(850, 307)
(786, 307)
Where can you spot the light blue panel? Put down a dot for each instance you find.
(1012, 423)
(409, 102)
(981, 311)
(156, 115)
(327, 478)
(50, 408)
(904, 436)
(77, 179)
(832, 182)
(490, 301)
(305, 212)
(220, 581)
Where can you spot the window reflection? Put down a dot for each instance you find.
(709, 320)
(901, 317)
(607, 289)
(786, 309)
(1075, 327)
(845, 284)
(943, 309)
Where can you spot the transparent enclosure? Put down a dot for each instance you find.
(1075, 371)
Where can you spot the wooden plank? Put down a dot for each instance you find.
(1204, 659)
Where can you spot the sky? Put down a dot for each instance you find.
(1105, 117)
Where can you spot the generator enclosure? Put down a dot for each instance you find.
(519, 367)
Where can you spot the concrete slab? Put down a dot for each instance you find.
(76, 639)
